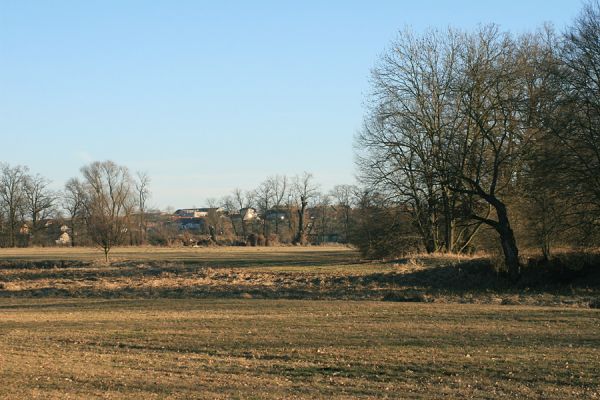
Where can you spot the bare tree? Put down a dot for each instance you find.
(485, 157)
(572, 118)
(242, 200)
(39, 202)
(279, 188)
(323, 217)
(228, 204)
(264, 198)
(109, 199)
(12, 197)
(451, 126)
(305, 190)
(73, 201)
(412, 113)
(142, 184)
(343, 196)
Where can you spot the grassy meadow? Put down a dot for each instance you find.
(285, 322)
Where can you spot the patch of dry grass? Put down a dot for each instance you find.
(279, 272)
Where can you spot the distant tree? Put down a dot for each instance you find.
(304, 189)
(142, 188)
(264, 198)
(13, 198)
(279, 190)
(242, 200)
(228, 204)
(109, 200)
(73, 201)
(343, 196)
(39, 202)
(323, 217)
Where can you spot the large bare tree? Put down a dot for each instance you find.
(412, 114)
(485, 156)
(449, 130)
(572, 118)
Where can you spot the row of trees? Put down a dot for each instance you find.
(486, 129)
(104, 207)
(290, 210)
(107, 206)
(23, 196)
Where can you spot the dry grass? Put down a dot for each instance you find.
(279, 272)
(156, 349)
(153, 253)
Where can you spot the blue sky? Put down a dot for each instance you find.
(208, 96)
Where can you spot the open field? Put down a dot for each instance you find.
(285, 254)
(168, 348)
(278, 272)
(284, 323)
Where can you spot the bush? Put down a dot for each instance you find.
(566, 268)
(252, 239)
(260, 240)
(273, 240)
(382, 232)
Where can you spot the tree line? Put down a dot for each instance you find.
(288, 210)
(105, 206)
(487, 131)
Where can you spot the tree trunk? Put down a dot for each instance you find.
(12, 226)
(449, 222)
(346, 224)
(235, 231)
(72, 234)
(266, 231)
(300, 237)
(244, 233)
(508, 242)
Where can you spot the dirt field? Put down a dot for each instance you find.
(169, 348)
(254, 323)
